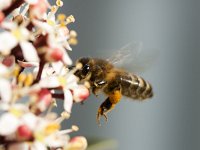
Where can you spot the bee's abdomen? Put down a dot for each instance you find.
(135, 87)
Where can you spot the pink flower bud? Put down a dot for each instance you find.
(80, 94)
(24, 132)
(8, 61)
(45, 96)
(56, 54)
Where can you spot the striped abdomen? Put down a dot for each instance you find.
(135, 87)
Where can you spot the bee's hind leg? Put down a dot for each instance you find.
(108, 104)
(104, 108)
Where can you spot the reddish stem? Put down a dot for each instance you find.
(41, 66)
(59, 96)
(5, 142)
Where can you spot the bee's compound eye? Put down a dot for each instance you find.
(85, 69)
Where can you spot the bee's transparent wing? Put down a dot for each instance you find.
(124, 54)
(134, 57)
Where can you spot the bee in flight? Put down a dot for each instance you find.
(114, 82)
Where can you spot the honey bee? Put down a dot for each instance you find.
(114, 82)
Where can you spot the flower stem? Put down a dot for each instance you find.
(41, 66)
(5, 142)
(56, 95)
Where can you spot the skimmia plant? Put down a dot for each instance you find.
(34, 74)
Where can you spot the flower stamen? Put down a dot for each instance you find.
(59, 3)
(64, 115)
(74, 128)
(70, 19)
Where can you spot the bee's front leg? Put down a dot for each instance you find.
(98, 85)
(95, 90)
(108, 105)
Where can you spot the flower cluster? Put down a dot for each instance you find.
(34, 74)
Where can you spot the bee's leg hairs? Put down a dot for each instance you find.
(108, 104)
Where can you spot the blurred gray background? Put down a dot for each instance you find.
(169, 121)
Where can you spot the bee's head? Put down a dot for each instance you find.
(83, 67)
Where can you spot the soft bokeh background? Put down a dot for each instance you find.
(169, 121)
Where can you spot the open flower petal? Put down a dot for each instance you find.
(71, 82)
(68, 101)
(58, 67)
(67, 46)
(51, 17)
(57, 140)
(29, 51)
(44, 26)
(38, 146)
(3, 70)
(7, 42)
(5, 86)
(49, 82)
(30, 120)
(66, 59)
(8, 124)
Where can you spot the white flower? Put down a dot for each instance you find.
(57, 36)
(62, 35)
(57, 40)
(67, 82)
(49, 26)
(72, 91)
(59, 68)
(17, 35)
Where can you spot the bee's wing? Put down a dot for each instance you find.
(134, 57)
(123, 55)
